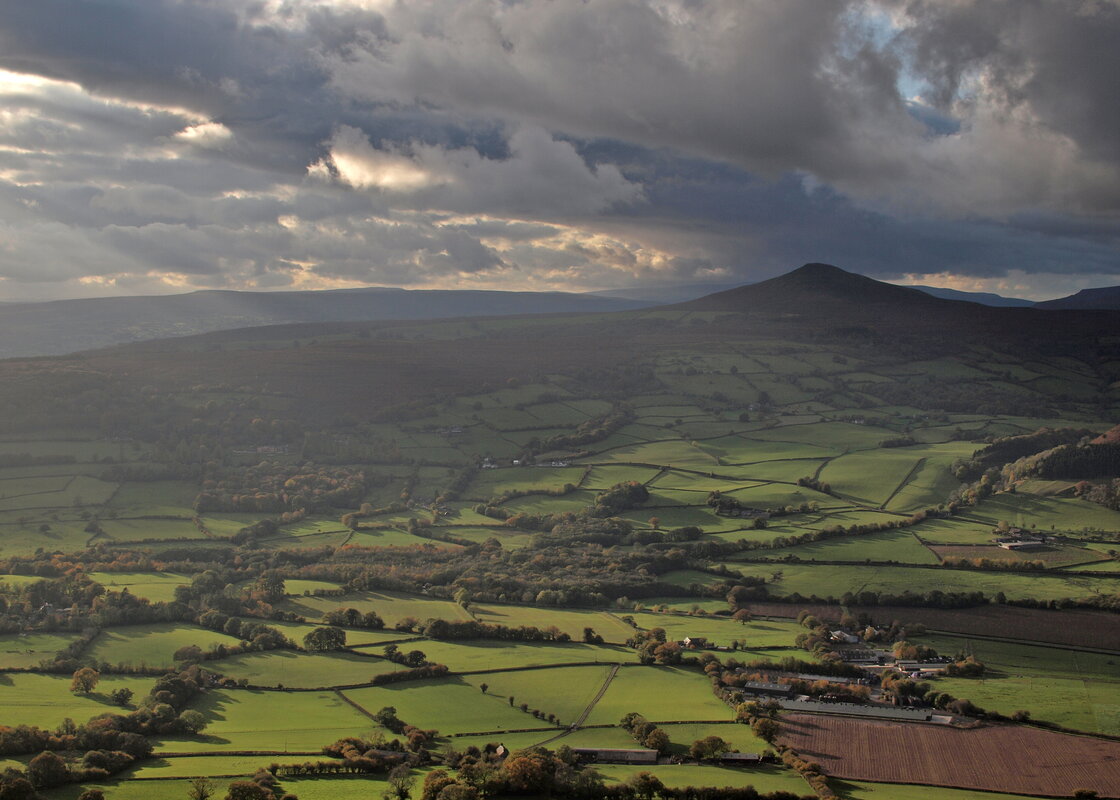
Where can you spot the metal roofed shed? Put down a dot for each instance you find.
(605, 755)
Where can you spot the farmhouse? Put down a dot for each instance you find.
(694, 642)
(845, 637)
(615, 756)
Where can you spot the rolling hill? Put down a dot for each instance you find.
(64, 326)
(1107, 297)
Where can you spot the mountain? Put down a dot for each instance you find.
(814, 288)
(369, 370)
(1105, 298)
(64, 326)
(665, 294)
(983, 298)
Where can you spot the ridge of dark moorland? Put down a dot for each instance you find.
(64, 326)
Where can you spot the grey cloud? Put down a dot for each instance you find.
(555, 144)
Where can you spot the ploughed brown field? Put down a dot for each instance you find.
(1008, 758)
(1072, 627)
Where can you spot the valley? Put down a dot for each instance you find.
(521, 530)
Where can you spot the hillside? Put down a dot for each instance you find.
(492, 507)
(816, 288)
(1107, 297)
(983, 298)
(63, 326)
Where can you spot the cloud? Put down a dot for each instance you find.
(176, 144)
(206, 134)
(540, 175)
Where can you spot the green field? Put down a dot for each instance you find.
(449, 705)
(480, 654)
(571, 622)
(302, 670)
(538, 688)
(694, 425)
(899, 545)
(247, 719)
(835, 581)
(151, 645)
(661, 694)
(154, 586)
(391, 606)
(1074, 689)
(23, 650)
(46, 700)
(762, 778)
(756, 634)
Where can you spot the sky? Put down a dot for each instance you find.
(159, 146)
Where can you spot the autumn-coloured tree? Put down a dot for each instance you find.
(84, 680)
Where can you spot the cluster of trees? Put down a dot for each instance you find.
(411, 659)
(272, 488)
(416, 740)
(593, 430)
(110, 742)
(472, 629)
(353, 618)
(1084, 461)
(1006, 449)
(965, 396)
(321, 640)
(416, 674)
(540, 772)
(899, 441)
(620, 497)
(810, 482)
(645, 732)
(513, 494)
(1105, 493)
(653, 648)
(995, 564)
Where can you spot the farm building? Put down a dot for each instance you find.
(845, 637)
(605, 755)
(852, 709)
(694, 642)
(773, 689)
(1020, 544)
(866, 657)
(736, 759)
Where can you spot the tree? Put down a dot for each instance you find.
(645, 785)
(122, 696)
(47, 769)
(766, 729)
(657, 740)
(201, 789)
(84, 680)
(92, 794)
(322, 639)
(400, 783)
(190, 652)
(707, 748)
(484, 687)
(434, 783)
(248, 790)
(192, 721)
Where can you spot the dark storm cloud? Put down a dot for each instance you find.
(261, 143)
